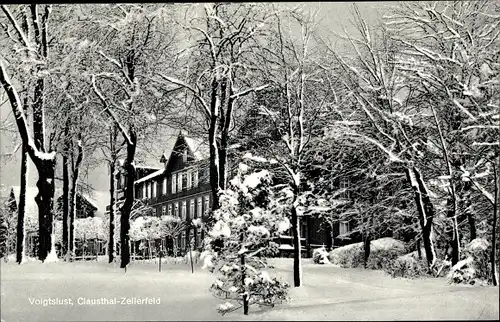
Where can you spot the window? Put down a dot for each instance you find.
(176, 210)
(170, 209)
(144, 190)
(183, 211)
(179, 181)
(207, 203)
(200, 209)
(163, 210)
(188, 179)
(174, 181)
(343, 227)
(191, 208)
(198, 237)
(185, 156)
(184, 180)
(344, 185)
(183, 240)
(154, 184)
(195, 178)
(164, 190)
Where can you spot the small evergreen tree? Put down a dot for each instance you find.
(246, 224)
(3, 232)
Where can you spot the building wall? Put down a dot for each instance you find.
(315, 234)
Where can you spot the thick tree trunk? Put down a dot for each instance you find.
(297, 267)
(129, 200)
(45, 202)
(425, 211)
(22, 206)
(111, 243)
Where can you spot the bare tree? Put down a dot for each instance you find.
(39, 150)
(221, 75)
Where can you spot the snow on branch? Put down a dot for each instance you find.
(392, 156)
(247, 91)
(14, 23)
(191, 89)
(110, 112)
(22, 124)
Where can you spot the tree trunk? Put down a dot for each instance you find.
(455, 240)
(243, 277)
(22, 206)
(366, 244)
(111, 243)
(72, 213)
(214, 149)
(45, 202)
(76, 173)
(425, 211)
(469, 211)
(496, 178)
(419, 251)
(65, 194)
(329, 237)
(129, 200)
(297, 269)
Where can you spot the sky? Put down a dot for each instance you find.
(333, 15)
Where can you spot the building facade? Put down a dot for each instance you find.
(181, 188)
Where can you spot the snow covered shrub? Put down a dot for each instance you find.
(383, 251)
(242, 236)
(320, 256)
(475, 268)
(407, 266)
(347, 256)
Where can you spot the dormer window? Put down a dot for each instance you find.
(185, 156)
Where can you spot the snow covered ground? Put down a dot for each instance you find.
(329, 293)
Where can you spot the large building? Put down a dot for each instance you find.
(181, 188)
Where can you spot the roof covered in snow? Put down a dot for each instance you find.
(99, 199)
(198, 147)
(150, 176)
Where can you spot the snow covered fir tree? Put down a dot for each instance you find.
(263, 161)
(249, 220)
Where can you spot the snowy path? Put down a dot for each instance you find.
(328, 293)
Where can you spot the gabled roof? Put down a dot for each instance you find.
(99, 199)
(198, 148)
